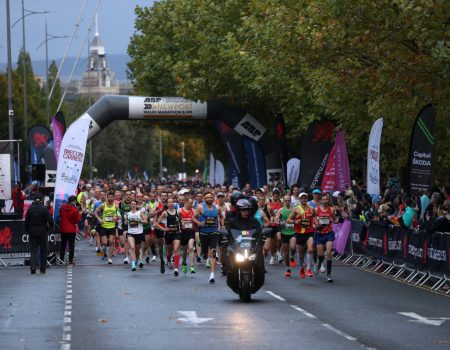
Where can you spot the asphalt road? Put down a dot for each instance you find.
(97, 306)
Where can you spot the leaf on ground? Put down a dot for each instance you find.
(102, 320)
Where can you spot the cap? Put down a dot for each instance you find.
(276, 191)
(183, 191)
(303, 194)
(220, 194)
(316, 190)
(336, 193)
(259, 190)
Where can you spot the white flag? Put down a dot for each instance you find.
(373, 158)
(70, 162)
(219, 178)
(293, 171)
(212, 172)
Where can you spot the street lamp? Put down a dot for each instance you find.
(48, 37)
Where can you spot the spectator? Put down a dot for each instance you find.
(70, 218)
(408, 213)
(442, 222)
(18, 198)
(424, 201)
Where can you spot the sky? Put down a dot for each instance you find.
(115, 24)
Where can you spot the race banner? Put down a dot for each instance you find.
(341, 232)
(373, 158)
(395, 244)
(237, 162)
(316, 147)
(437, 260)
(341, 162)
(256, 163)
(39, 137)
(447, 249)
(375, 240)
(281, 136)
(293, 171)
(5, 176)
(219, 176)
(421, 151)
(329, 177)
(416, 249)
(58, 129)
(70, 162)
(212, 170)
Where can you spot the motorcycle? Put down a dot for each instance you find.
(244, 260)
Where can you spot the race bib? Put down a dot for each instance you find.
(324, 221)
(305, 223)
(133, 223)
(210, 222)
(289, 225)
(188, 225)
(108, 218)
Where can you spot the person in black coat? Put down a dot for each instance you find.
(37, 223)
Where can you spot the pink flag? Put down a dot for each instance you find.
(341, 163)
(328, 181)
(341, 232)
(58, 134)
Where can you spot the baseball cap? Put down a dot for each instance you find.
(316, 190)
(336, 193)
(183, 191)
(220, 194)
(303, 194)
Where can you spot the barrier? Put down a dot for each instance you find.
(14, 241)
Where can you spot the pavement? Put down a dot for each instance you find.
(98, 306)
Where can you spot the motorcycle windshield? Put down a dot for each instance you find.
(242, 233)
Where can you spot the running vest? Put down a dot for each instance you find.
(259, 217)
(288, 228)
(134, 223)
(187, 216)
(209, 217)
(325, 218)
(306, 224)
(124, 209)
(108, 214)
(172, 222)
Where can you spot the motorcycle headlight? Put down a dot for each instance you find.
(240, 257)
(252, 257)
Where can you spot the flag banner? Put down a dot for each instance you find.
(341, 162)
(58, 129)
(49, 156)
(373, 158)
(5, 176)
(39, 137)
(256, 163)
(329, 177)
(70, 162)
(421, 150)
(237, 163)
(293, 171)
(219, 176)
(212, 170)
(341, 231)
(145, 175)
(316, 146)
(281, 136)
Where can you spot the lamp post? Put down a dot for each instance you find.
(183, 162)
(10, 105)
(48, 37)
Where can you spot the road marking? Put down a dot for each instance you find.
(431, 321)
(337, 331)
(67, 329)
(275, 295)
(304, 312)
(191, 317)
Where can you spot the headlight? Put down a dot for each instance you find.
(239, 258)
(252, 257)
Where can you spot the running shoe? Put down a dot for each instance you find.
(109, 261)
(293, 263)
(170, 265)
(192, 269)
(309, 273)
(184, 268)
(329, 279)
(154, 258)
(322, 269)
(126, 261)
(315, 269)
(208, 263)
(302, 273)
(99, 253)
(199, 260)
(141, 264)
(272, 260)
(147, 260)
(133, 266)
(287, 273)
(163, 268)
(279, 257)
(211, 278)
(175, 272)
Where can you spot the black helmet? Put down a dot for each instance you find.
(243, 204)
(235, 196)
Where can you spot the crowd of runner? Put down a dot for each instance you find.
(178, 224)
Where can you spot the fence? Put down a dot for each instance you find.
(14, 241)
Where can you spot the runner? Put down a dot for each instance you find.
(159, 232)
(209, 218)
(302, 216)
(135, 233)
(188, 222)
(295, 198)
(275, 204)
(289, 242)
(124, 208)
(107, 222)
(324, 218)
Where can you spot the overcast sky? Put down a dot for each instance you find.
(116, 26)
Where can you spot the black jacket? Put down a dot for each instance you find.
(38, 220)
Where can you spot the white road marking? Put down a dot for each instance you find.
(431, 321)
(275, 295)
(306, 313)
(191, 317)
(67, 329)
(337, 331)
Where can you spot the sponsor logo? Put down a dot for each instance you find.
(5, 238)
(40, 139)
(250, 127)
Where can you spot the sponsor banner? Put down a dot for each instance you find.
(274, 175)
(416, 249)
(281, 136)
(437, 260)
(50, 178)
(316, 147)
(70, 162)
(237, 163)
(341, 233)
(358, 236)
(58, 129)
(5, 176)
(421, 150)
(165, 107)
(39, 137)
(293, 171)
(94, 128)
(375, 240)
(256, 163)
(395, 244)
(373, 158)
(219, 176)
(212, 169)
(250, 127)
(341, 162)
(447, 248)
(329, 177)
(14, 240)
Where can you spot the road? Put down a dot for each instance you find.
(94, 305)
